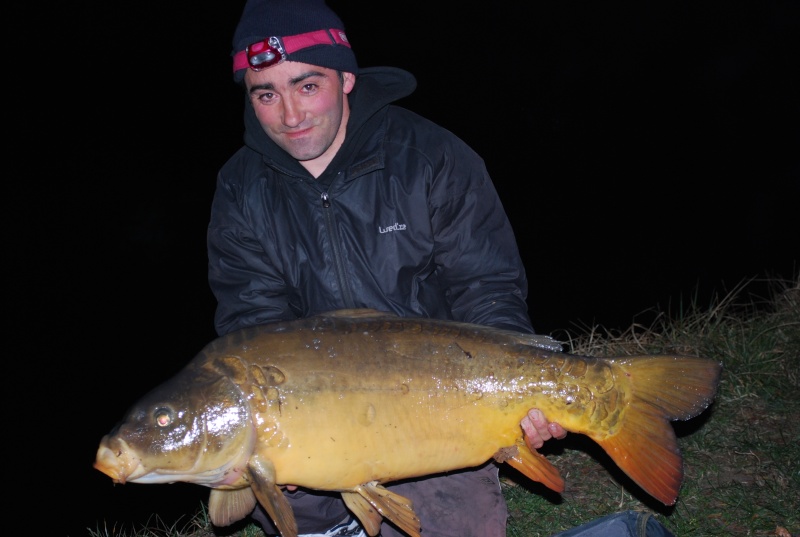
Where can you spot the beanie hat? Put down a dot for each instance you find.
(306, 31)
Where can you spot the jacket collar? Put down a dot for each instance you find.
(376, 88)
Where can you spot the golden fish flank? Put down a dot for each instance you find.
(350, 400)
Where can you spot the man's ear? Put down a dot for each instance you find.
(348, 82)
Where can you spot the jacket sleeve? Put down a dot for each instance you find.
(248, 289)
(476, 250)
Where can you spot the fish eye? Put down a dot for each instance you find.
(163, 416)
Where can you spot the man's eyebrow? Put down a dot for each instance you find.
(308, 74)
(269, 86)
(262, 87)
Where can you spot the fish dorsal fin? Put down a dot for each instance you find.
(395, 508)
(532, 340)
(534, 466)
(228, 506)
(536, 340)
(270, 495)
(370, 518)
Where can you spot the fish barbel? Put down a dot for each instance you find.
(353, 399)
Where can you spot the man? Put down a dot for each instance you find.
(339, 199)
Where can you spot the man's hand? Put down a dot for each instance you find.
(537, 430)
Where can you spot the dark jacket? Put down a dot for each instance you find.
(404, 219)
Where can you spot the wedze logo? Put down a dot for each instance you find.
(393, 227)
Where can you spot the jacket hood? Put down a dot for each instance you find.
(375, 89)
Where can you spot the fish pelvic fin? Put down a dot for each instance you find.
(370, 518)
(270, 495)
(371, 503)
(532, 464)
(228, 506)
(663, 389)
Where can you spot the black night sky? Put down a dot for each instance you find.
(647, 154)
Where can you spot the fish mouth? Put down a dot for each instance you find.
(117, 463)
(120, 463)
(116, 459)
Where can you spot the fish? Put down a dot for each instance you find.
(351, 400)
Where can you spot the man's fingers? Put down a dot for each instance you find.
(556, 430)
(537, 419)
(532, 437)
(537, 430)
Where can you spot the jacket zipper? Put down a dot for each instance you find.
(338, 262)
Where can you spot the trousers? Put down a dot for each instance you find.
(467, 503)
(622, 524)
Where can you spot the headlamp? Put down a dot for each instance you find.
(266, 53)
(273, 50)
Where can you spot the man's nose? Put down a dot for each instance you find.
(292, 113)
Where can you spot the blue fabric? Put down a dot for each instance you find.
(622, 524)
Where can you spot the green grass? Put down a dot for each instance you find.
(741, 456)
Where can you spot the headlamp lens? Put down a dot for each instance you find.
(265, 54)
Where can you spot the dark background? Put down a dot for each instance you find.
(647, 154)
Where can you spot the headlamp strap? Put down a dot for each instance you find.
(293, 43)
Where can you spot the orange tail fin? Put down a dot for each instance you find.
(665, 388)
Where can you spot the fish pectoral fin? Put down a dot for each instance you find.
(228, 506)
(534, 466)
(395, 508)
(270, 495)
(370, 518)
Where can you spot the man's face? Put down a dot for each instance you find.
(302, 108)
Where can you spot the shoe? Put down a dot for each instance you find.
(348, 528)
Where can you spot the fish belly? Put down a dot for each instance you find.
(341, 410)
(359, 438)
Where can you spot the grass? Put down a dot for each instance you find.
(741, 456)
